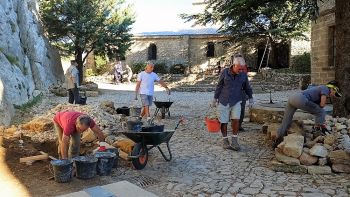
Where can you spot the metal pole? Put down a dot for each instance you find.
(262, 59)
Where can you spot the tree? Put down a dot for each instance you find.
(275, 20)
(81, 26)
(342, 67)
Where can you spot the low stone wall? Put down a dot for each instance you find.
(306, 151)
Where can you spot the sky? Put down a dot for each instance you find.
(161, 15)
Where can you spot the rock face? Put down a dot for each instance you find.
(28, 62)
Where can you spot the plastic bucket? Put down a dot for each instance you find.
(105, 163)
(213, 125)
(85, 167)
(123, 110)
(116, 152)
(135, 111)
(62, 170)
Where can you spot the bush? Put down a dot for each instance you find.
(160, 68)
(301, 63)
(89, 72)
(177, 69)
(138, 67)
(101, 63)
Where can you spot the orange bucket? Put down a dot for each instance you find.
(213, 125)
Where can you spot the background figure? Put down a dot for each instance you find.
(72, 79)
(129, 73)
(118, 71)
(145, 87)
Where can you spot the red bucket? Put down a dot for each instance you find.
(213, 125)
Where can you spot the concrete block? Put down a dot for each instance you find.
(76, 194)
(127, 189)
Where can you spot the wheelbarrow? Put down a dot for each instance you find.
(163, 107)
(145, 141)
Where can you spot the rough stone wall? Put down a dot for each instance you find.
(189, 50)
(321, 72)
(28, 62)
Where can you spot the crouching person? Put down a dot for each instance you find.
(69, 126)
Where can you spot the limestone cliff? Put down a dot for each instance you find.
(27, 61)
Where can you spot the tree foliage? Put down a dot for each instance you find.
(277, 20)
(81, 26)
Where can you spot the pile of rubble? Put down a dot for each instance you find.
(305, 151)
(90, 88)
(41, 129)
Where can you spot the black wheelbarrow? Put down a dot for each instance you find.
(145, 141)
(163, 107)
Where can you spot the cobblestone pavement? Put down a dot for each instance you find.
(200, 167)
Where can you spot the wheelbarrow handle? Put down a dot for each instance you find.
(178, 123)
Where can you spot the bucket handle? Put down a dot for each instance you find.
(209, 109)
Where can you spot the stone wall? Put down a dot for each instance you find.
(189, 50)
(27, 60)
(321, 69)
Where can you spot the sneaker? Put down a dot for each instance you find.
(235, 146)
(226, 144)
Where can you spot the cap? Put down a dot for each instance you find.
(334, 87)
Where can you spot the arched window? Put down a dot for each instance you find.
(152, 52)
(210, 49)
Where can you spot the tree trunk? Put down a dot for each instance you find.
(79, 59)
(342, 67)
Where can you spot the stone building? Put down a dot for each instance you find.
(200, 52)
(197, 51)
(323, 44)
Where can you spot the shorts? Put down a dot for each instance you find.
(146, 100)
(226, 112)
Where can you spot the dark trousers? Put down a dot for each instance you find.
(244, 101)
(73, 95)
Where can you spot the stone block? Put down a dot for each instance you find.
(339, 157)
(292, 145)
(319, 151)
(260, 114)
(341, 168)
(307, 159)
(272, 131)
(319, 170)
(281, 167)
(322, 161)
(285, 159)
(330, 139)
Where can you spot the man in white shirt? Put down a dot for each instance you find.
(145, 87)
(72, 78)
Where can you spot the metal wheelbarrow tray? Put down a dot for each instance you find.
(145, 141)
(163, 106)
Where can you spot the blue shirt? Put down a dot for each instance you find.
(314, 94)
(229, 87)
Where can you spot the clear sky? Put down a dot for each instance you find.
(161, 15)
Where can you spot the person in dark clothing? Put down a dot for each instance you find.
(228, 94)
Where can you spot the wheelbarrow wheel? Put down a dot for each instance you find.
(140, 162)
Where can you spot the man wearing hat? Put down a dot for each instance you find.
(311, 100)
